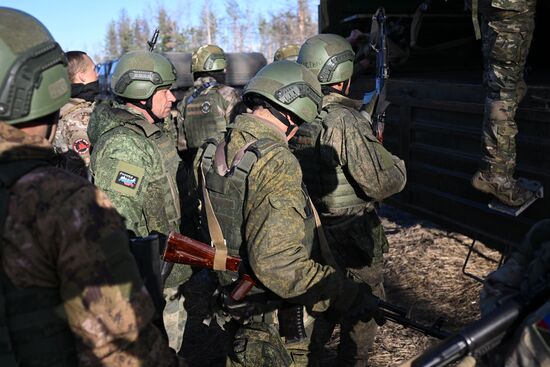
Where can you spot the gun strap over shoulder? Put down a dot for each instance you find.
(214, 228)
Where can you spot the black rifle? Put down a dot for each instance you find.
(398, 315)
(375, 102)
(483, 335)
(153, 41)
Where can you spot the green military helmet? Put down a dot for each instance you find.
(287, 52)
(328, 56)
(33, 73)
(139, 73)
(208, 58)
(290, 86)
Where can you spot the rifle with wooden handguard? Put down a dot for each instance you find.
(181, 249)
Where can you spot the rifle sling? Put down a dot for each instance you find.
(214, 228)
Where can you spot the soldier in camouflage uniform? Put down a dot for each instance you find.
(254, 185)
(346, 171)
(525, 273)
(207, 108)
(71, 137)
(70, 292)
(287, 52)
(507, 31)
(135, 160)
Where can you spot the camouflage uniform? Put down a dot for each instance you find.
(507, 30)
(68, 233)
(71, 128)
(527, 269)
(211, 102)
(346, 170)
(275, 230)
(136, 163)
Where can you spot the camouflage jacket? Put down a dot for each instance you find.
(67, 232)
(346, 140)
(274, 223)
(229, 96)
(135, 163)
(71, 128)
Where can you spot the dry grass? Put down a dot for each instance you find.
(423, 273)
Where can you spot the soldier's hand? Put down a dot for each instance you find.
(365, 306)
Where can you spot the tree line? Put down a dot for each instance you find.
(238, 30)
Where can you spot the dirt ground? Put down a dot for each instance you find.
(423, 274)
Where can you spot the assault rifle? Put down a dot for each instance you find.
(181, 249)
(184, 250)
(398, 315)
(483, 335)
(374, 102)
(153, 41)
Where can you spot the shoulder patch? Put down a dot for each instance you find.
(127, 179)
(205, 107)
(81, 146)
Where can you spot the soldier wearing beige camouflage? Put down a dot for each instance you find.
(73, 120)
(70, 290)
(207, 108)
(507, 30)
(346, 171)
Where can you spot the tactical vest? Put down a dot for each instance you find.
(32, 331)
(330, 187)
(227, 188)
(204, 115)
(166, 150)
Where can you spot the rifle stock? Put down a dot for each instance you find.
(181, 249)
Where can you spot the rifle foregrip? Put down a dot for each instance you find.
(244, 285)
(181, 249)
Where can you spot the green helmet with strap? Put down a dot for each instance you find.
(208, 58)
(287, 52)
(328, 56)
(33, 73)
(138, 74)
(288, 85)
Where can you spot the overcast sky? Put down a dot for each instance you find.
(79, 25)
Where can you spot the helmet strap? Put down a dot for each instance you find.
(281, 117)
(327, 89)
(148, 107)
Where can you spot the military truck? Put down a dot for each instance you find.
(435, 116)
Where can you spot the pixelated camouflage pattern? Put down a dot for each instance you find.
(347, 158)
(118, 133)
(228, 96)
(507, 30)
(525, 271)
(71, 129)
(69, 234)
(346, 140)
(274, 226)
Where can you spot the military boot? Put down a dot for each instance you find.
(504, 187)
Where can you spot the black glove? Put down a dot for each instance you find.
(221, 300)
(365, 306)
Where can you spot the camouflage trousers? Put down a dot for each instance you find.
(358, 244)
(258, 343)
(506, 39)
